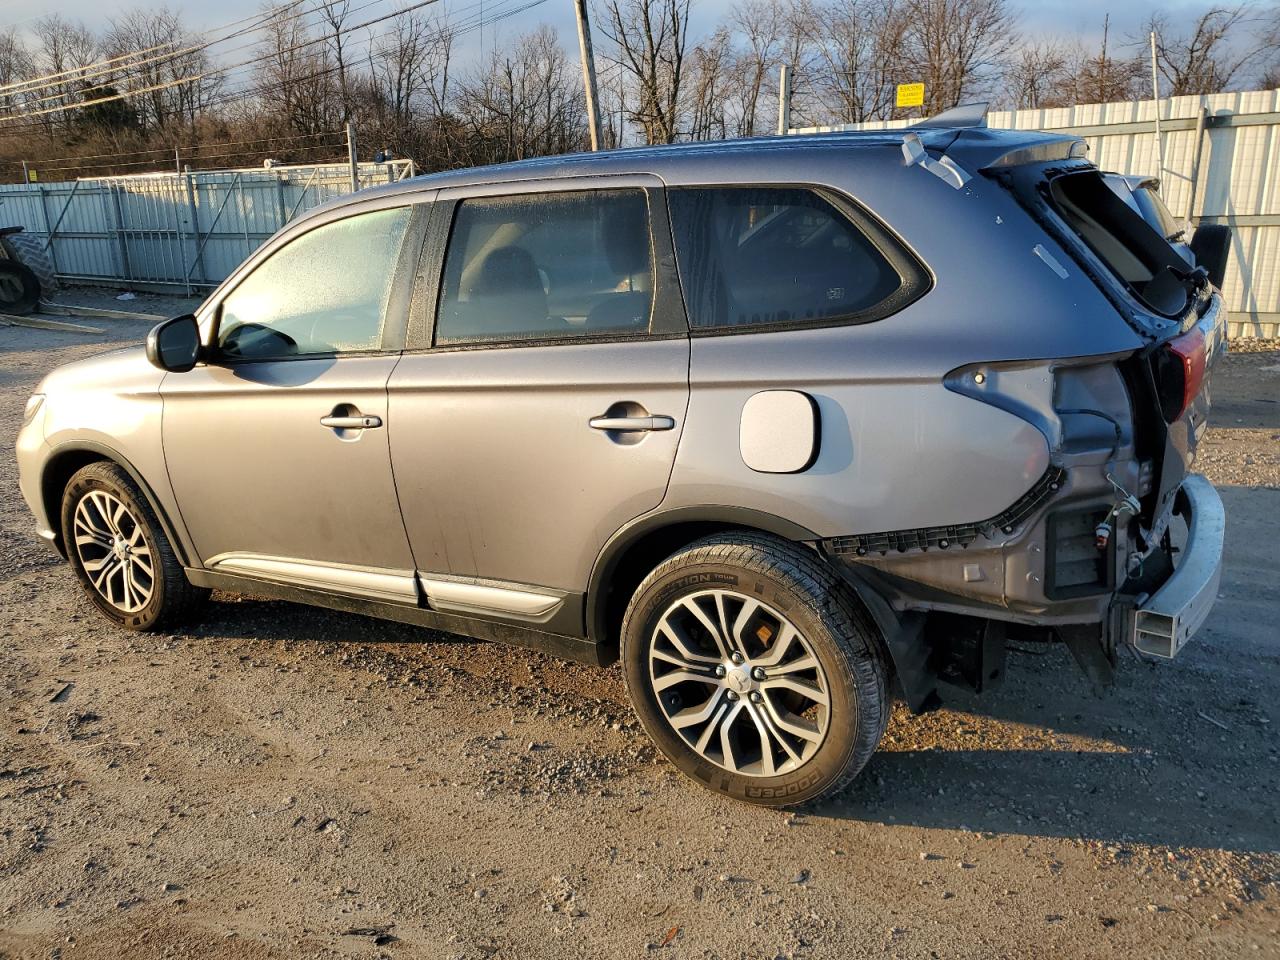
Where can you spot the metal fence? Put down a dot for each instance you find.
(167, 230)
(1221, 165)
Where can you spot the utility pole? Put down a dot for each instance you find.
(26, 174)
(784, 100)
(1155, 93)
(177, 161)
(588, 71)
(351, 157)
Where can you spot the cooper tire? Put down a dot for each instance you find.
(762, 584)
(120, 553)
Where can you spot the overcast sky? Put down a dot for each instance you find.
(1061, 19)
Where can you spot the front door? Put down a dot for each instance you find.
(543, 411)
(278, 448)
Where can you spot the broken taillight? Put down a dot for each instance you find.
(1182, 369)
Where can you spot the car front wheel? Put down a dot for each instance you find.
(120, 553)
(755, 669)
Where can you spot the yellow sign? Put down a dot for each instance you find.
(910, 95)
(34, 176)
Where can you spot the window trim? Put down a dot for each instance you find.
(667, 318)
(398, 297)
(917, 279)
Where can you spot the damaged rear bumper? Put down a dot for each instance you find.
(1165, 620)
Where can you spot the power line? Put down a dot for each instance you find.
(101, 67)
(478, 23)
(205, 74)
(169, 150)
(169, 58)
(189, 160)
(475, 23)
(166, 59)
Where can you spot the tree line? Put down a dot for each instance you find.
(281, 84)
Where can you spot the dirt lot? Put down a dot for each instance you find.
(288, 782)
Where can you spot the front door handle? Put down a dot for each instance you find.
(633, 424)
(359, 422)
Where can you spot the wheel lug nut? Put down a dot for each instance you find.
(758, 673)
(736, 657)
(755, 696)
(720, 670)
(732, 695)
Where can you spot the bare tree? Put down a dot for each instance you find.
(1208, 57)
(710, 67)
(862, 47)
(334, 13)
(649, 39)
(396, 70)
(63, 48)
(1101, 77)
(295, 77)
(525, 101)
(955, 47)
(761, 24)
(436, 63)
(15, 66)
(1037, 76)
(176, 83)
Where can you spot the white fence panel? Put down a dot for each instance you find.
(170, 230)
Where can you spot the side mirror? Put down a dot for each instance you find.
(174, 345)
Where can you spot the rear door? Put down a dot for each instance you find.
(541, 400)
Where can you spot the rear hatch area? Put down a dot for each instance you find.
(1170, 302)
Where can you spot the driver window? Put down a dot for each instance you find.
(325, 292)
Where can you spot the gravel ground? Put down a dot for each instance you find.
(288, 782)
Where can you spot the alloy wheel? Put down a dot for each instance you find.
(739, 683)
(112, 547)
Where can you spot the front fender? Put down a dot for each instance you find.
(63, 459)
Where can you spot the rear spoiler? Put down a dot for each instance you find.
(984, 148)
(958, 140)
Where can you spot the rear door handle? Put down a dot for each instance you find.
(633, 424)
(361, 422)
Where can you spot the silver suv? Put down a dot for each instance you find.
(779, 423)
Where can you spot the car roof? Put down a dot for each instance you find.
(976, 147)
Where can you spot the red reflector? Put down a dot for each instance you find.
(1190, 351)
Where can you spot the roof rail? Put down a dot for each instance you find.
(964, 115)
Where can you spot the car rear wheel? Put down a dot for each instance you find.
(120, 553)
(755, 669)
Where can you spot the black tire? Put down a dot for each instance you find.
(827, 614)
(173, 599)
(19, 288)
(31, 253)
(1211, 244)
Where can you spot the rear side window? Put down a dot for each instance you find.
(767, 256)
(547, 266)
